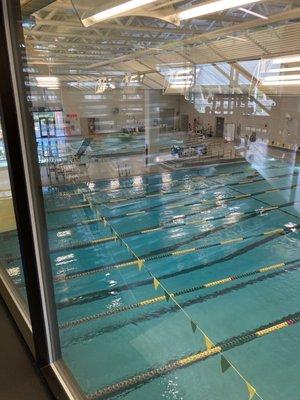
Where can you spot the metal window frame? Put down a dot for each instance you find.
(41, 331)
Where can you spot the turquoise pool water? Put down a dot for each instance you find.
(101, 145)
(226, 222)
(104, 145)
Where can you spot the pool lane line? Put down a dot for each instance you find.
(166, 308)
(248, 170)
(196, 202)
(67, 208)
(157, 228)
(207, 189)
(194, 325)
(195, 249)
(153, 300)
(198, 178)
(144, 230)
(106, 239)
(144, 377)
(150, 230)
(108, 189)
(191, 192)
(242, 217)
(270, 205)
(74, 224)
(132, 261)
(104, 293)
(58, 209)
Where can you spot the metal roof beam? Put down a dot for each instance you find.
(287, 15)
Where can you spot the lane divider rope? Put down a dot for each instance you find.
(157, 299)
(144, 377)
(133, 262)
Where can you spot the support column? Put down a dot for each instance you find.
(152, 126)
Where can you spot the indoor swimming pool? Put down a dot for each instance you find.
(116, 144)
(144, 266)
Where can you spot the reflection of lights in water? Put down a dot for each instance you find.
(137, 181)
(257, 156)
(63, 233)
(234, 217)
(91, 185)
(62, 260)
(219, 195)
(233, 208)
(115, 184)
(115, 303)
(178, 218)
(171, 392)
(291, 226)
(14, 271)
(166, 178)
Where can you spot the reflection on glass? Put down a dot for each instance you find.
(168, 154)
(10, 257)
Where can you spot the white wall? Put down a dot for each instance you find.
(282, 126)
(114, 109)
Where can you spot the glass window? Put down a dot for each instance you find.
(10, 256)
(167, 136)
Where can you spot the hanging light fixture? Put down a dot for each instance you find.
(48, 82)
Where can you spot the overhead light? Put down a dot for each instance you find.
(181, 83)
(213, 7)
(49, 82)
(288, 69)
(282, 83)
(115, 11)
(282, 77)
(174, 86)
(286, 59)
(237, 38)
(253, 13)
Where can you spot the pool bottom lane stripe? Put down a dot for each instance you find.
(157, 299)
(192, 193)
(251, 173)
(213, 203)
(144, 377)
(101, 294)
(173, 253)
(169, 225)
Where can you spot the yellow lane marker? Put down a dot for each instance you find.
(274, 232)
(216, 283)
(271, 267)
(240, 239)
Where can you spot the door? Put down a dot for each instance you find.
(167, 118)
(220, 126)
(184, 122)
(47, 126)
(229, 132)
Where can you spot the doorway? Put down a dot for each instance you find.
(220, 121)
(229, 130)
(47, 127)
